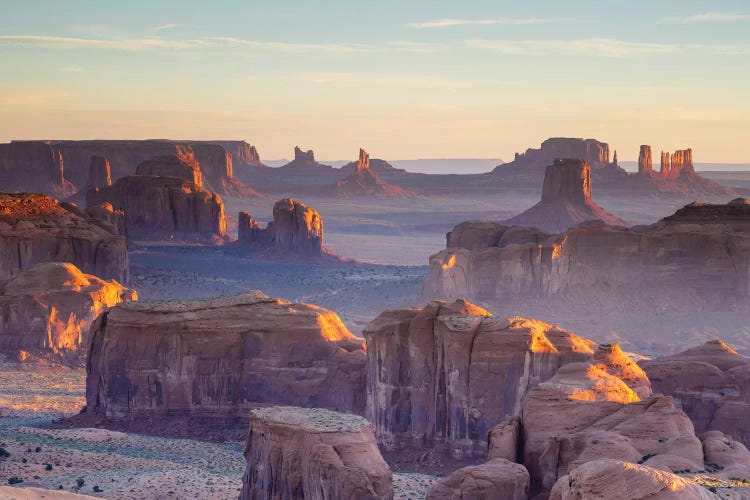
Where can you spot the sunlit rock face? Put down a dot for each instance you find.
(602, 408)
(444, 375)
(701, 250)
(566, 200)
(296, 229)
(615, 479)
(213, 360)
(365, 182)
(50, 307)
(33, 166)
(35, 228)
(100, 173)
(645, 161)
(712, 383)
(295, 453)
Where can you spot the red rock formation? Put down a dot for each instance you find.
(99, 173)
(32, 166)
(296, 229)
(243, 154)
(591, 151)
(429, 371)
(50, 307)
(504, 440)
(307, 157)
(645, 166)
(300, 453)
(701, 250)
(210, 361)
(496, 479)
(566, 200)
(712, 383)
(182, 167)
(165, 208)
(664, 169)
(364, 182)
(35, 228)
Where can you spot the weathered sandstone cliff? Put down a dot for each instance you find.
(211, 361)
(33, 166)
(50, 307)
(100, 173)
(593, 152)
(301, 453)
(429, 371)
(182, 167)
(35, 228)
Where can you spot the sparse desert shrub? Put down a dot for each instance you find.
(47, 466)
(4, 453)
(97, 489)
(80, 482)
(15, 480)
(646, 457)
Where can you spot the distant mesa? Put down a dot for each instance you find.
(35, 228)
(593, 152)
(365, 182)
(33, 166)
(165, 201)
(49, 308)
(566, 200)
(296, 232)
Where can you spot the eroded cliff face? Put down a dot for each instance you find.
(298, 453)
(296, 229)
(50, 307)
(702, 250)
(181, 167)
(645, 162)
(211, 361)
(35, 228)
(33, 166)
(429, 371)
(100, 173)
(712, 383)
(164, 208)
(593, 152)
(365, 182)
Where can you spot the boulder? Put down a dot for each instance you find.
(35, 228)
(429, 371)
(505, 440)
(618, 480)
(496, 479)
(209, 361)
(315, 454)
(99, 173)
(51, 306)
(712, 383)
(566, 200)
(33, 166)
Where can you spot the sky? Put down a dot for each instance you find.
(403, 79)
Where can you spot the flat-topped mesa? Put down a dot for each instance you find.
(33, 166)
(35, 228)
(700, 250)
(232, 354)
(295, 453)
(296, 229)
(182, 167)
(593, 152)
(100, 173)
(712, 381)
(484, 368)
(645, 164)
(49, 307)
(569, 179)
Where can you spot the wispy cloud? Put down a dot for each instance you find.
(164, 27)
(388, 80)
(604, 47)
(449, 22)
(709, 17)
(158, 43)
(32, 99)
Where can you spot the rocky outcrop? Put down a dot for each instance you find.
(35, 228)
(304, 157)
(99, 173)
(618, 480)
(702, 250)
(429, 370)
(495, 479)
(591, 151)
(364, 182)
(243, 154)
(712, 383)
(566, 200)
(33, 166)
(505, 440)
(50, 307)
(296, 229)
(296, 453)
(645, 164)
(208, 362)
(180, 167)
(165, 208)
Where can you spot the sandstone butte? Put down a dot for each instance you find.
(313, 454)
(296, 232)
(700, 250)
(566, 200)
(166, 201)
(208, 362)
(712, 383)
(35, 228)
(365, 182)
(429, 371)
(33, 166)
(51, 306)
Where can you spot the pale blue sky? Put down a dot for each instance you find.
(409, 79)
